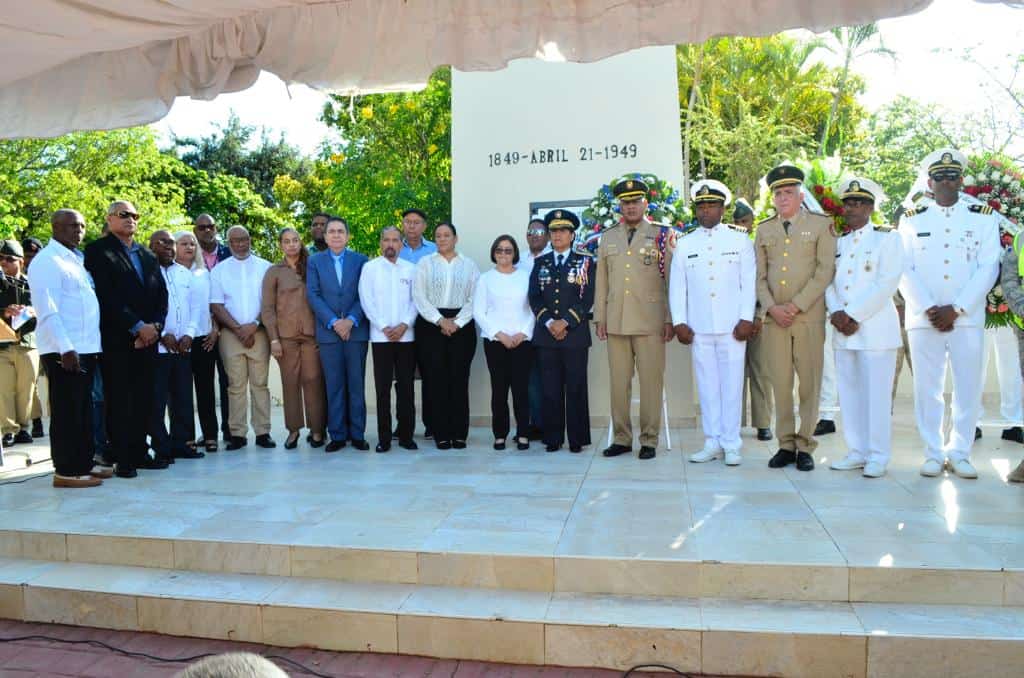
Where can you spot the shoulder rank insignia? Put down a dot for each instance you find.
(883, 229)
(980, 209)
(913, 212)
(738, 229)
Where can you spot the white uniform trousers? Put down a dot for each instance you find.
(863, 381)
(1004, 342)
(718, 361)
(929, 350)
(828, 400)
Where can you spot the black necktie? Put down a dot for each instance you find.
(561, 260)
(629, 235)
(785, 225)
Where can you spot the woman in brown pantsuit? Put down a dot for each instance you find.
(290, 327)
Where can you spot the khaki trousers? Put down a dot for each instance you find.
(247, 369)
(302, 383)
(800, 349)
(19, 366)
(758, 384)
(644, 354)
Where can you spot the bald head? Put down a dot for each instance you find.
(162, 244)
(68, 227)
(239, 242)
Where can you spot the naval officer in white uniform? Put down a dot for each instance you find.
(712, 293)
(952, 256)
(866, 328)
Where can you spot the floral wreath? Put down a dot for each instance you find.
(663, 207)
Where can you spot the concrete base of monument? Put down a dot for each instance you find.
(536, 558)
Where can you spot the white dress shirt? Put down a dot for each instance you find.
(527, 260)
(712, 280)
(64, 298)
(868, 268)
(238, 284)
(951, 256)
(445, 284)
(501, 304)
(201, 292)
(385, 293)
(182, 304)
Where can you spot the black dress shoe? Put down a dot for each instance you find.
(977, 433)
(428, 434)
(551, 448)
(782, 458)
(360, 445)
(764, 434)
(615, 450)
(125, 471)
(804, 462)
(499, 445)
(1014, 434)
(26, 437)
(459, 444)
(265, 441)
(382, 447)
(334, 446)
(164, 459)
(408, 444)
(189, 454)
(37, 429)
(236, 443)
(444, 444)
(316, 443)
(8, 439)
(824, 427)
(523, 443)
(646, 452)
(153, 464)
(575, 449)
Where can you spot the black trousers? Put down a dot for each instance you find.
(203, 365)
(394, 361)
(422, 364)
(70, 397)
(448, 363)
(510, 369)
(128, 390)
(566, 407)
(172, 390)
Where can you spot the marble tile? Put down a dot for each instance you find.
(330, 629)
(44, 546)
(214, 586)
(647, 542)
(1013, 587)
(80, 608)
(259, 532)
(943, 658)
(589, 609)
(487, 571)
(780, 616)
(354, 564)
(621, 648)
(944, 621)
(492, 541)
(783, 654)
(12, 601)
(120, 551)
(897, 553)
(10, 543)
(340, 595)
(774, 582)
(769, 551)
(499, 605)
(738, 530)
(371, 536)
(112, 579)
(242, 558)
(472, 639)
(920, 585)
(634, 576)
(201, 619)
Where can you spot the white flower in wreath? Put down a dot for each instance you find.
(650, 179)
(607, 223)
(969, 180)
(593, 204)
(669, 208)
(998, 290)
(603, 211)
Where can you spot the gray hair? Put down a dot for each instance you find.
(197, 259)
(391, 228)
(233, 665)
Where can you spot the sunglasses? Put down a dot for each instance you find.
(205, 227)
(124, 214)
(536, 231)
(855, 201)
(504, 250)
(946, 176)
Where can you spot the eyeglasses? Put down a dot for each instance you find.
(949, 175)
(504, 250)
(125, 214)
(855, 201)
(536, 231)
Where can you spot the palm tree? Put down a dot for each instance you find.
(851, 43)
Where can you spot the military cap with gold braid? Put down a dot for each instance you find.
(859, 187)
(942, 160)
(709, 190)
(630, 189)
(784, 175)
(561, 219)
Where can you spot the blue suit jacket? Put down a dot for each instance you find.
(331, 300)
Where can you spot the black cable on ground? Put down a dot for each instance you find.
(640, 667)
(25, 480)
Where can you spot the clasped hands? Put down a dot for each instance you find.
(784, 314)
(844, 324)
(942, 318)
(510, 342)
(183, 345)
(744, 330)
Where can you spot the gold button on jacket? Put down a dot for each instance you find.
(631, 296)
(797, 266)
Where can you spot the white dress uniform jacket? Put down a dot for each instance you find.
(951, 257)
(712, 282)
(869, 264)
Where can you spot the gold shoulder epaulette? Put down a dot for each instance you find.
(980, 209)
(883, 229)
(914, 211)
(738, 229)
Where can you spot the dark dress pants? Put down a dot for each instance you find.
(128, 389)
(70, 397)
(394, 361)
(566, 406)
(172, 390)
(204, 363)
(448, 376)
(510, 370)
(423, 365)
(344, 364)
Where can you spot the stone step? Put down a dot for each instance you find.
(711, 635)
(746, 580)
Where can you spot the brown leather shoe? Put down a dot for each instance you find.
(75, 481)
(100, 471)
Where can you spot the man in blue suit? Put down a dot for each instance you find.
(332, 281)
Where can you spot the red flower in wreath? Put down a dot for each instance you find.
(819, 189)
(995, 204)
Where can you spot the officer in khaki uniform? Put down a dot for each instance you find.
(795, 263)
(631, 313)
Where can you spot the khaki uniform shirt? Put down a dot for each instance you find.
(631, 295)
(796, 266)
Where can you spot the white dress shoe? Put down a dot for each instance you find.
(874, 469)
(733, 458)
(848, 463)
(931, 468)
(711, 451)
(963, 468)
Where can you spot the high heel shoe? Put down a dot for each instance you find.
(499, 444)
(523, 443)
(292, 441)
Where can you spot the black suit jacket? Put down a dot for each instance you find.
(565, 293)
(124, 299)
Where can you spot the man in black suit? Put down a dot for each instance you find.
(561, 296)
(133, 305)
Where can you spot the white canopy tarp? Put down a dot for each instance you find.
(100, 64)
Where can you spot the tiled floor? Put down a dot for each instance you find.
(534, 503)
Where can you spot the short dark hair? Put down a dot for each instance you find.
(320, 214)
(415, 210)
(332, 218)
(536, 220)
(449, 225)
(515, 248)
(32, 243)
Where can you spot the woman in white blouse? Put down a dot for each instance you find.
(203, 346)
(501, 309)
(446, 334)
